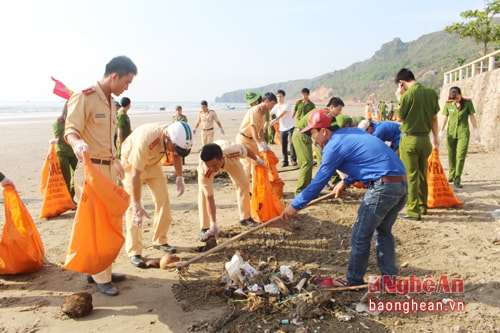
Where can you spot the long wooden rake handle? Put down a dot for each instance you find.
(219, 247)
(226, 243)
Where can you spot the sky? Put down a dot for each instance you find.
(189, 50)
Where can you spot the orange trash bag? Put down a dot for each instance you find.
(56, 197)
(21, 248)
(440, 192)
(96, 238)
(267, 189)
(168, 159)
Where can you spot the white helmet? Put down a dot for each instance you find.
(181, 135)
(364, 124)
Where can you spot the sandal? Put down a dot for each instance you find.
(341, 282)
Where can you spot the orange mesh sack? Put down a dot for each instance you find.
(56, 197)
(440, 192)
(21, 248)
(96, 238)
(267, 189)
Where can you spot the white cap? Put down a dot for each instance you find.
(364, 124)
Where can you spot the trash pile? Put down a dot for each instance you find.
(271, 289)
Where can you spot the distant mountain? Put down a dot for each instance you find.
(428, 57)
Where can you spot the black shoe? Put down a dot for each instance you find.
(138, 261)
(165, 248)
(107, 289)
(457, 185)
(115, 277)
(450, 180)
(284, 164)
(408, 217)
(249, 222)
(294, 163)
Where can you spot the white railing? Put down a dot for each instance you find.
(485, 64)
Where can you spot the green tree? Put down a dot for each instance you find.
(481, 27)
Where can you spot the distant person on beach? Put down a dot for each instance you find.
(141, 159)
(368, 160)
(382, 111)
(369, 110)
(283, 113)
(65, 155)
(251, 132)
(178, 115)
(390, 111)
(214, 158)
(457, 111)
(206, 119)
(418, 108)
(90, 126)
(123, 127)
(386, 131)
(303, 106)
(5, 181)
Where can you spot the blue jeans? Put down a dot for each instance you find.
(376, 215)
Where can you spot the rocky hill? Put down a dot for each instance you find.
(428, 57)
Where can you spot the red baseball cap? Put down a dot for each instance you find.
(322, 118)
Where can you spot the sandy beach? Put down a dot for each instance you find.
(457, 242)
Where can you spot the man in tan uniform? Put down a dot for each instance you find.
(141, 158)
(251, 133)
(207, 118)
(215, 157)
(90, 126)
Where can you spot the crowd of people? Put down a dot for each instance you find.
(389, 158)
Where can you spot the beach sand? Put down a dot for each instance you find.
(454, 242)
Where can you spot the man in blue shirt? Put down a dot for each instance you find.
(385, 131)
(368, 160)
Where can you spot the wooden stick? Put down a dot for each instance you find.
(361, 286)
(219, 247)
(324, 197)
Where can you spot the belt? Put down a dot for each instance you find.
(98, 161)
(248, 137)
(208, 129)
(415, 134)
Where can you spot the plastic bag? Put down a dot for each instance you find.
(440, 193)
(96, 238)
(267, 189)
(56, 197)
(21, 248)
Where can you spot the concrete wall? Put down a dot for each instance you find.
(484, 90)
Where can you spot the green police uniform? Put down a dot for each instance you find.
(302, 108)
(65, 156)
(457, 139)
(303, 149)
(417, 108)
(356, 120)
(123, 121)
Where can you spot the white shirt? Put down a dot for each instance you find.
(287, 122)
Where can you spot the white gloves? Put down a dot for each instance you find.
(260, 162)
(53, 141)
(476, 135)
(262, 146)
(79, 148)
(194, 131)
(222, 131)
(6, 181)
(138, 213)
(273, 122)
(213, 231)
(440, 136)
(179, 181)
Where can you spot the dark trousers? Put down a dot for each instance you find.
(286, 136)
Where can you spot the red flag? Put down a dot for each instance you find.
(61, 90)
